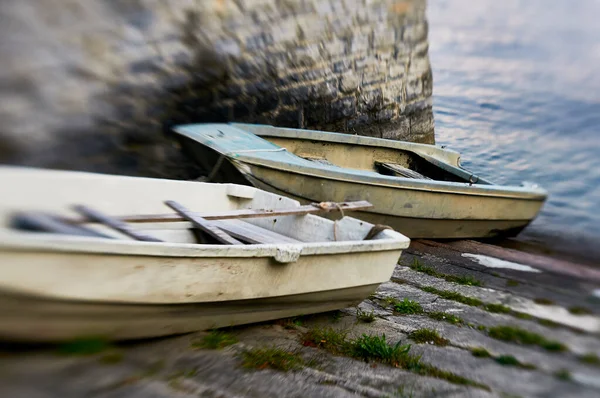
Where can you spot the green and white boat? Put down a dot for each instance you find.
(420, 190)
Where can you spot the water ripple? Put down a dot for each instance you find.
(516, 90)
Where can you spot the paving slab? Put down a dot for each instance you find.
(173, 367)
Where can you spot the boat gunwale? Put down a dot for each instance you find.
(390, 240)
(498, 191)
(337, 138)
(357, 176)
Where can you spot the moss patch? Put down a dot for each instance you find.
(522, 315)
(548, 323)
(444, 316)
(504, 360)
(563, 374)
(215, 340)
(427, 336)
(579, 311)
(512, 283)
(468, 280)
(518, 335)
(273, 358)
(450, 295)
(497, 308)
(480, 352)
(509, 360)
(543, 301)
(590, 359)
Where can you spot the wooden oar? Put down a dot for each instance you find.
(315, 208)
(116, 224)
(203, 224)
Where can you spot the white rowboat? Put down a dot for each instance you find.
(56, 287)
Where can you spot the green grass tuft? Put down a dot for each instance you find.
(327, 338)
(407, 307)
(497, 308)
(427, 336)
(483, 328)
(364, 316)
(480, 352)
(518, 335)
(449, 295)
(543, 301)
(512, 283)
(273, 358)
(376, 348)
(215, 340)
(84, 346)
(444, 316)
(590, 359)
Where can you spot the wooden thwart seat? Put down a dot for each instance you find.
(251, 233)
(401, 171)
(224, 228)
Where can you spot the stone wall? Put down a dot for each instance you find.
(94, 85)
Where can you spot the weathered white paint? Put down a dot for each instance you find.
(493, 262)
(331, 267)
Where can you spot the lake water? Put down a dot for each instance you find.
(517, 92)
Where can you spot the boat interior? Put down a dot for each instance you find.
(238, 227)
(137, 209)
(329, 152)
(385, 161)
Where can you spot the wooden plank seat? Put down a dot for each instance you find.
(400, 171)
(251, 233)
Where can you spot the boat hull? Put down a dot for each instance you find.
(50, 296)
(28, 318)
(414, 213)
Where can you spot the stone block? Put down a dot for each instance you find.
(325, 90)
(374, 74)
(349, 82)
(414, 90)
(284, 31)
(316, 113)
(342, 66)
(370, 100)
(343, 108)
(398, 130)
(288, 117)
(311, 27)
(359, 44)
(305, 56)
